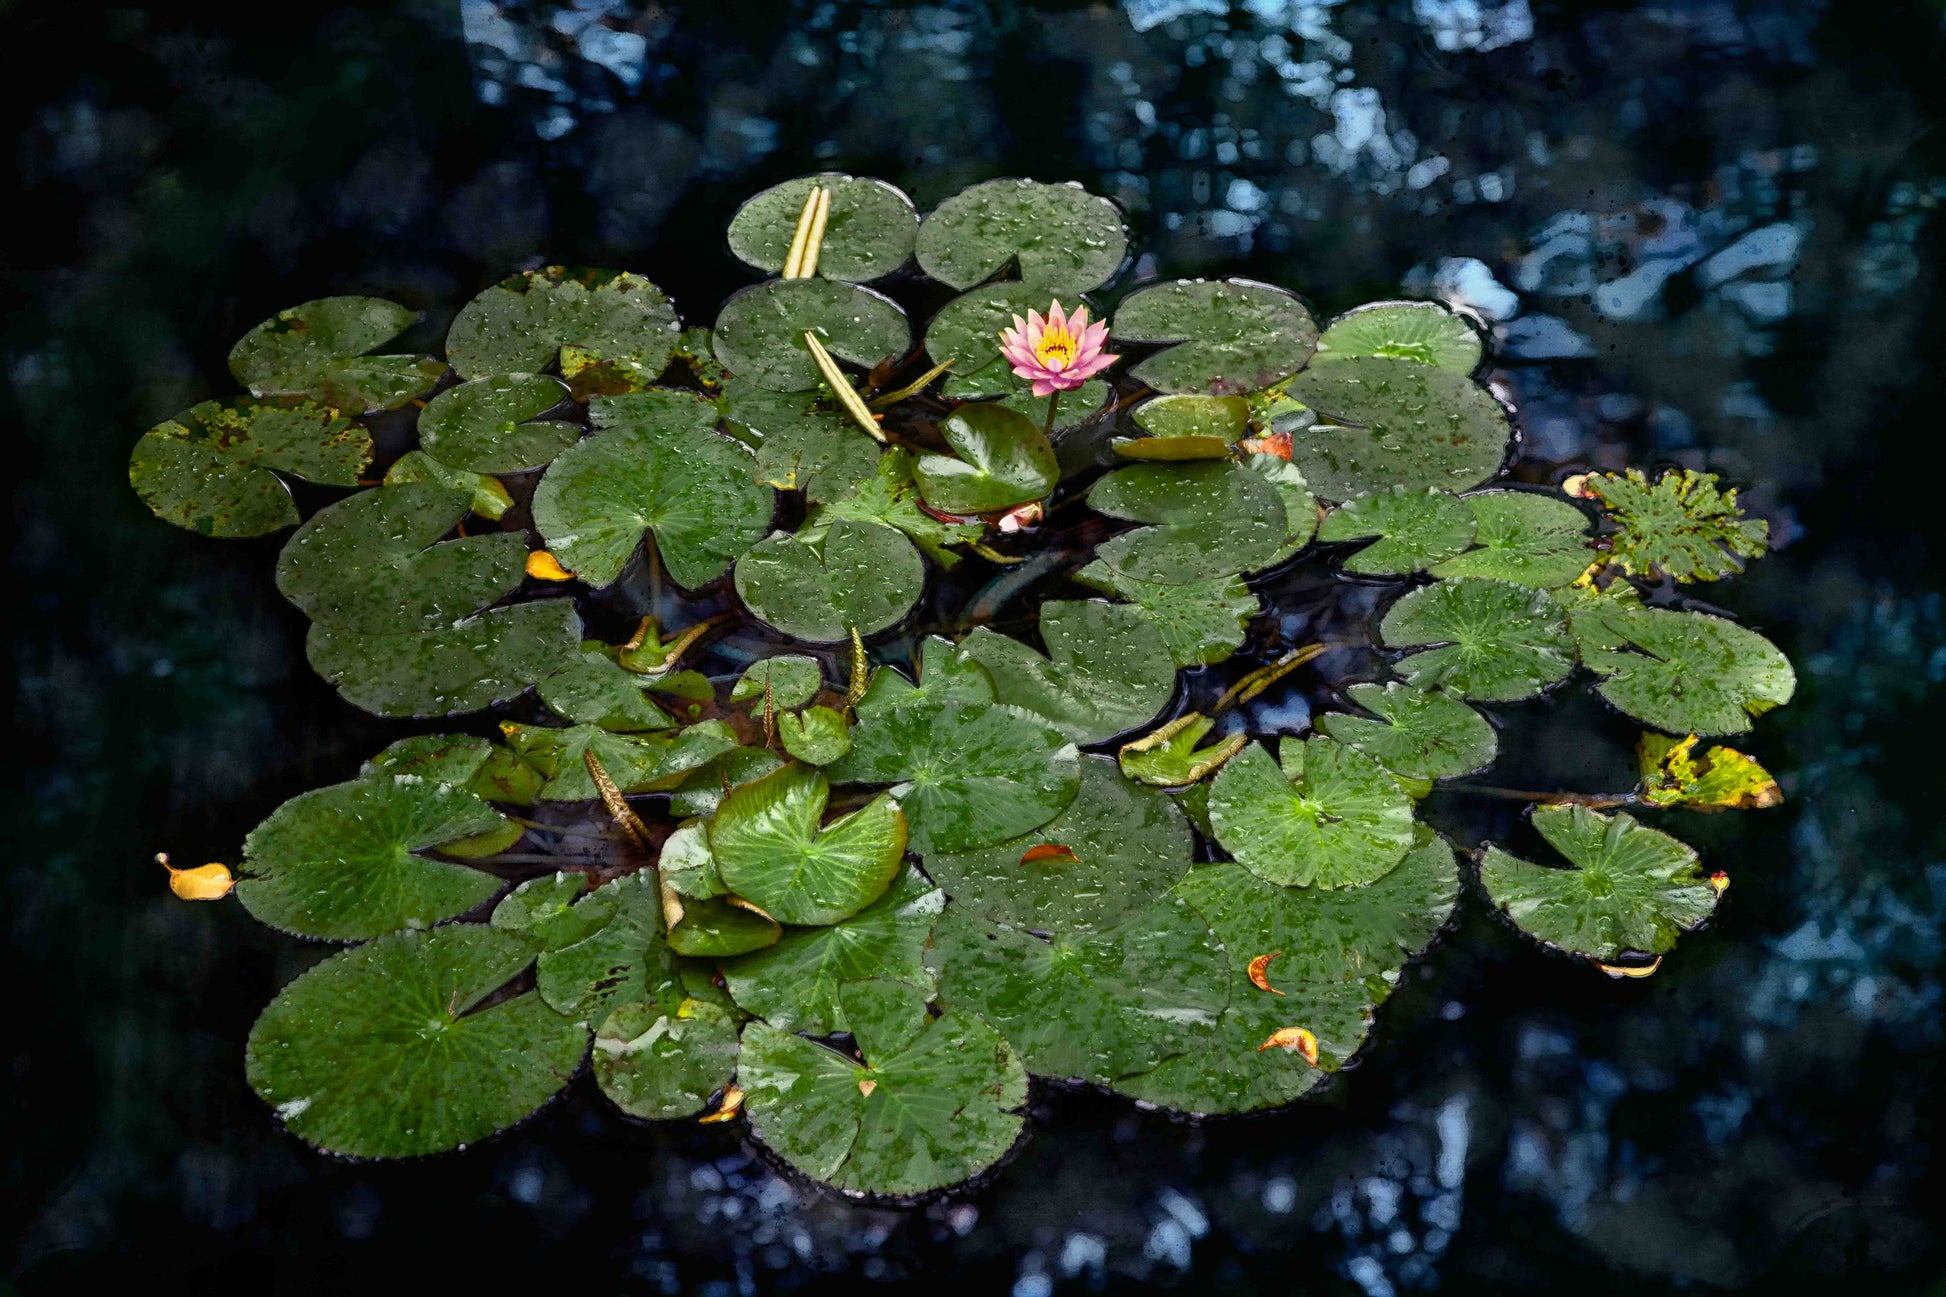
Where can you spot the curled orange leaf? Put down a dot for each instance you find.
(1260, 972)
(211, 882)
(1049, 851)
(1276, 443)
(1299, 1040)
(728, 1109)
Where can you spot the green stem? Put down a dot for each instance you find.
(1053, 403)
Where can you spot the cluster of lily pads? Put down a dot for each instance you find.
(858, 903)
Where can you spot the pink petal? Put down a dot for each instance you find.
(1046, 386)
(1093, 365)
(1078, 322)
(1036, 329)
(1056, 320)
(1097, 335)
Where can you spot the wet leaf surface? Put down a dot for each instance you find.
(1417, 528)
(1217, 519)
(1694, 673)
(890, 496)
(653, 465)
(486, 496)
(932, 1104)
(1201, 622)
(858, 574)
(1001, 459)
(771, 846)
(1108, 670)
(636, 762)
(493, 424)
(760, 332)
(1059, 238)
(209, 468)
(867, 235)
(1386, 423)
(801, 445)
(1230, 337)
(378, 1052)
(317, 349)
(626, 960)
(785, 681)
(817, 736)
(1682, 525)
(967, 331)
(471, 664)
(1674, 774)
(1419, 733)
(592, 689)
(606, 329)
(1424, 332)
(546, 910)
(1632, 889)
(1523, 537)
(1330, 817)
(659, 1062)
(1169, 757)
(1497, 641)
(1124, 847)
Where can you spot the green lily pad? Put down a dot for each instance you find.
(662, 1062)
(1202, 622)
(718, 928)
(1419, 733)
(373, 562)
(932, 1104)
(1423, 332)
(471, 664)
(1331, 817)
(867, 235)
(545, 909)
(1300, 506)
(209, 468)
(1187, 426)
(338, 863)
(493, 425)
(624, 961)
(654, 465)
(486, 496)
(968, 774)
(817, 736)
(1632, 890)
(890, 496)
(946, 679)
(1418, 528)
(860, 574)
(1682, 525)
(1524, 537)
(453, 759)
(790, 680)
(591, 689)
(1003, 460)
(1107, 670)
(703, 789)
(1088, 1006)
(1497, 641)
(1231, 337)
(1694, 673)
(760, 331)
(800, 444)
(317, 349)
(1169, 757)
(1217, 519)
(1113, 852)
(794, 985)
(687, 866)
(1386, 423)
(769, 847)
(1060, 238)
(607, 329)
(381, 1051)
(638, 763)
(967, 332)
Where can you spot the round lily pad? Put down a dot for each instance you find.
(493, 425)
(1216, 519)
(1386, 423)
(1300, 506)
(1059, 237)
(967, 331)
(317, 349)
(600, 325)
(932, 1104)
(1498, 642)
(860, 574)
(770, 847)
(968, 774)
(785, 681)
(1202, 622)
(1116, 848)
(1187, 426)
(473, 663)
(1107, 669)
(209, 468)
(817, 736)
(373, 562)
(1417, 526)
(1424, 332)
(794, 985)
(486, 495)
(1632, 890)
(382, 1052)
(1003, 460)
(663, 1063)
(1694, 673)
(339, 863)
(1419, 733)
(868, 233)
(1229, 337)
(801, 445)
(1088, 1006)
(1523, 537)
(760, 331)
(1330, 817)
(654, 465)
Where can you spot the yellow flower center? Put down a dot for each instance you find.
(1056, 349)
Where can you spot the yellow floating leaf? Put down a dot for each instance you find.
(841, 388)
(543, 566)
(210, 882)
(728, 1109)
(1722, 779)
(1630, 970)
(1260, 972)
(1299, 1040)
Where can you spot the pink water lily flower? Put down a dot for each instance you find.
(1056, 354)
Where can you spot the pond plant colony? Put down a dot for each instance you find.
(858, 904)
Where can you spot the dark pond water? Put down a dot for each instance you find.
(1706, 233)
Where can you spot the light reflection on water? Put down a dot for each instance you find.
(1693, 242)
